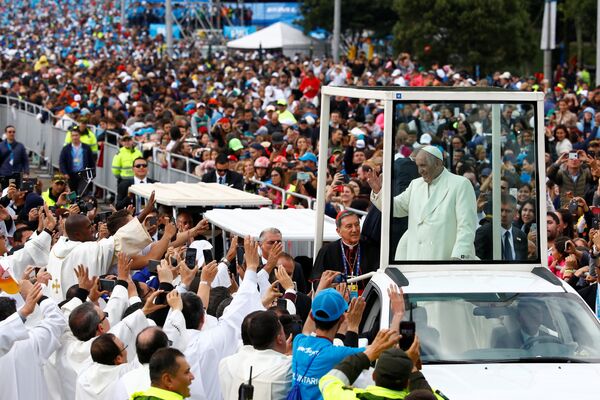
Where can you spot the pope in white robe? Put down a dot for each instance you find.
(441, 210)
(97, 256)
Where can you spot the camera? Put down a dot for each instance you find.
(573, 205)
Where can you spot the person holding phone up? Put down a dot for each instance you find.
(571, 173)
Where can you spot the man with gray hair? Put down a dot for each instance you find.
(271, 247)
(441, 210)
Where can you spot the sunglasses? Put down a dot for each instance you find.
(59, 182)
(221, 170)
(141, 165)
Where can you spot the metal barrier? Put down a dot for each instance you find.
(47, 141)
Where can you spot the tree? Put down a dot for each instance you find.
(583, 15)
(358, 16)
(492, 34)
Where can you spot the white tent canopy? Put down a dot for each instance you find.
(276, 36)
(202, 194)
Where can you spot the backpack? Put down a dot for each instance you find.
(294, 393)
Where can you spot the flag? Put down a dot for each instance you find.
(548, 40)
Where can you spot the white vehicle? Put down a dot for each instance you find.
(473, 317)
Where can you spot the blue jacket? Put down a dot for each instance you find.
(66, 158)
(20, 159)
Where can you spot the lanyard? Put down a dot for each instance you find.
(347, 262)
(9, 146)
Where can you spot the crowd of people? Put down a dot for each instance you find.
(128, 310)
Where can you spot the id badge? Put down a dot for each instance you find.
(353, 289)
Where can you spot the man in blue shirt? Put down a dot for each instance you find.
(13, 159)
(314, 355)
(74, 158)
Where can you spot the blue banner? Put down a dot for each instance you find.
(156, 29)
(236, 32)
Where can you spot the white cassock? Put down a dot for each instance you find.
(34, 252)
(67, 254)
(96, 381)
(442, 218)
(136, 380)
(74, 356)
(21, 375)
(206, 348)
(12, 329)
(271, 373)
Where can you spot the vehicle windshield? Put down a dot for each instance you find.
(504, 327)
(464, 183)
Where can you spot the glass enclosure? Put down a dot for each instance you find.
(446, 201)
(504, 327)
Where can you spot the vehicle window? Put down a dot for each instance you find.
(371, 317)
(450, 201)
(504, 327)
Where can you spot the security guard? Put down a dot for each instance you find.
(55, 195)
(87, 136)
(122, 164)
(394, 373)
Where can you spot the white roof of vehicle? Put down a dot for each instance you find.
(478, 281)
(201, 194)
(294, 224)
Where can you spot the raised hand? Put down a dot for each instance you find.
(174, 300)
(149, 306)
(384, 340)
(33, 295)
(83, 278)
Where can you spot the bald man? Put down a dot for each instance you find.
(441, 210)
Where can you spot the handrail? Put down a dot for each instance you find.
(286, 193)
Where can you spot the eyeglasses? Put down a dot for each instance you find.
(270, 242)
(141, 165)
(105, 316)
(123, 349)
(60, 182)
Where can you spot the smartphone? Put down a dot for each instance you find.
(573, 206)
(152, 221)
(303, 176)
(71, 197)
(103, 216)
(595, 223)
(107, 284)
(208, 255)
(573, 155)
(408, 330)
(341, 278)
(339, 188)
(190, 258)
(173, 262)
(28, 185)
(239, 255)
(152, 266)
(282, 304)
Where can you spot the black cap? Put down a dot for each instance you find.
(393, 369)
(277, 138)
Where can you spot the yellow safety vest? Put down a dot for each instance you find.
(122, 164)
(88, 138)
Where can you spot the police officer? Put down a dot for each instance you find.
(122, 164)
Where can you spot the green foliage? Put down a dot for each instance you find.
(357, 16)
(493, 34)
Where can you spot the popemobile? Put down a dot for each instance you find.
(492, 319)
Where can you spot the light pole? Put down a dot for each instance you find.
(337, 21)
(169, 27)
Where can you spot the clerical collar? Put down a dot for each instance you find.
(351, 246)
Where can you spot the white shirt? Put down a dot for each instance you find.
(95, 383)
(136, 380)
(22, 375)
(271, 373)
(205, 349)
(12, 329)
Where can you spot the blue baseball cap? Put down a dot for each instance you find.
(309, 157)
(328, 305)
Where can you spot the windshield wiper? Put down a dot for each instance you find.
(545, 360)
(524, 360)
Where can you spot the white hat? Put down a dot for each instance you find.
(425, 138)
(310, 120)
(434, 151)
(356, 131)
(77, 97)
(360, 144)
(505, 75)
